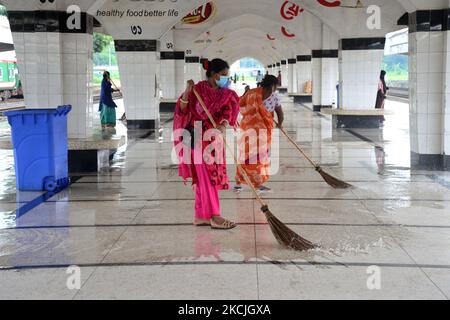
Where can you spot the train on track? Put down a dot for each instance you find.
(10, 84)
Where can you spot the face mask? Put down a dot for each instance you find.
(223, 82)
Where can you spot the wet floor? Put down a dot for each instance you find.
(129, 229)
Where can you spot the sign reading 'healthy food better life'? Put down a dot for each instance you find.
(142, 13)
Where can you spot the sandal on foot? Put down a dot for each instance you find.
(225, 225)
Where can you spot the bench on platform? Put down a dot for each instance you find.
(343, 118)
(93, 153)
(167, 105)
(301, 97)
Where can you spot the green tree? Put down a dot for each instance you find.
(3, 12)
(101, 41)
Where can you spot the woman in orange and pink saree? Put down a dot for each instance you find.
(199, 147)
(257, 108)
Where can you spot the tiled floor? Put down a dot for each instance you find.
(129, 230)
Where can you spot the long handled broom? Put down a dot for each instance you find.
(284, 235)
(332, 181)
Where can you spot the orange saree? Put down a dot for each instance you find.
(255, 138)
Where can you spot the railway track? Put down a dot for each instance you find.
(14, 103)
(395, 92)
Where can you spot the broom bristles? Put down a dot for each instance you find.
(284, 235)
(332, 181)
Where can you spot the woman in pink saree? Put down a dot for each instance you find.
(203, 160)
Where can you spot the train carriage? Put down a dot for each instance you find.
(9, 76)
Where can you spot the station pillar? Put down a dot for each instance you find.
(304, 71)
(55, 63)
(284, 73)
(359, 72)
(325, 73)
(429, 84)
(139, 67)
(292, 76)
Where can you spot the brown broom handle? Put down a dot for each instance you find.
(298, 147)
(244, 174)
(114, 85)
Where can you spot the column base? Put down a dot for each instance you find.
(86, 161)
(438, 162)
(356, 122)
(142, 124)
(283, 90)
(318, 108)
(167, 105)
(301, 97)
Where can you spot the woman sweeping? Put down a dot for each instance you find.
(107, 105)
(257, 108)
(208, 176)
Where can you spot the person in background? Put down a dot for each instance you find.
(280, 79)
(382, 91)
(247, 89)
(107, 106)
(208, 177)
(259, 78)
(257, 108)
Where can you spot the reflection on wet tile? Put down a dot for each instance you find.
(133, 224)
(79, 213)
(202, 282)
(183, 243)
(405, 212)
(340, 244)
(56, 246)
(342, 283)
(39, 284)
(182, 211)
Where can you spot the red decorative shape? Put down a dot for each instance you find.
(200, 15)
(286, 33)
(290, 10)
(205, 64)
(270, 37)
(329, 4)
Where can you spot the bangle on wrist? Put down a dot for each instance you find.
(184, 101)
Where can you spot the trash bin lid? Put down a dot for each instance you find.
(60, 111)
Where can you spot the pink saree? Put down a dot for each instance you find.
(223, 104)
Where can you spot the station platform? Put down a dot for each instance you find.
(132, 225)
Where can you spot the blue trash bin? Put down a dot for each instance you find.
(39, 138)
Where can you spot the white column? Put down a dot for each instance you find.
(167, 78)
(429, 93)
(139, 66)
(56, 67)
(192, 69)
(179, 75)
(359, 72)
(325, 78)
(284, 74)
(446, 100)
(172, 73)
(304, 71)
(292, 86)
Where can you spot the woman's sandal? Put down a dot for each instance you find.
(202, 223)
(225, 225)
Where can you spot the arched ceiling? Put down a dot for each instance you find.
(316, 27)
